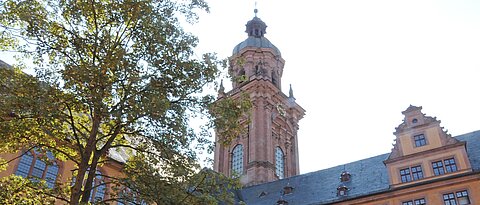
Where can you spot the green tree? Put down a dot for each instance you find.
(18, 190)
(112, 75)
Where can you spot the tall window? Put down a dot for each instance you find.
(458, 198)
(279, 163)
(97, 192)
(444, 166)
(237, 160)
(419, 140)
(411, 174)
(98, 188)
(129, 197)
(36, 166)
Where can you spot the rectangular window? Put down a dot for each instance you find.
(419, 140)
(449, 199)
(445, 166)
(459, 198)
(411, 174)
(415, 202)
(438, 168)
(417, 172)
(462, 197)
(450, 165)
(405, 175)
(420, 201)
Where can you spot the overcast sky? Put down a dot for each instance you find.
(355, 65)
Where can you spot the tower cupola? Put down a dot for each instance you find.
(256, 27)
(256, 57)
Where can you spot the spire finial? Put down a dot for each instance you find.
(290, 93)
(255, 10)
(221, 90)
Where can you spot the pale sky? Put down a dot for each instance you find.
(355, 65)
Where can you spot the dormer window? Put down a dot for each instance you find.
(287, 189)
(282, 201)
(262, 194)
(414, 120)
(345, 176)
(420, 140)
(342, 190)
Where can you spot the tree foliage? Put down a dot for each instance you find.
(112, 75)
(18, 190)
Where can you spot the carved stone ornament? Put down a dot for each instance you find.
(281, 110)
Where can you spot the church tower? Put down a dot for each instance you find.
(269, 149)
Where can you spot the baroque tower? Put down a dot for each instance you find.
(269, 149)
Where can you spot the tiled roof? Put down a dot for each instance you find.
(473, 148)
(4, 65)
(368, 176)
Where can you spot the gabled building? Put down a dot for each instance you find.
(434, 169)
(426, 165)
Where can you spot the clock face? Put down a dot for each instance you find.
(281, 110)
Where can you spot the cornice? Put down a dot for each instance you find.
(426, 152)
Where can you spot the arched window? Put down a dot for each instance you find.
(128, 197)
(279, 163)
(237, 160)
(36, 166)
(98, 188)
(274, 79)
(97, 191)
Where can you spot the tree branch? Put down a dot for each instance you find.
(19, 156)
(80, 147)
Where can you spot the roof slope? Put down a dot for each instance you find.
(368, 176)
(260, 42)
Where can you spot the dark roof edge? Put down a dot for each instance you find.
(3, 64)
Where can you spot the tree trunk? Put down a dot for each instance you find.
(83, 166)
